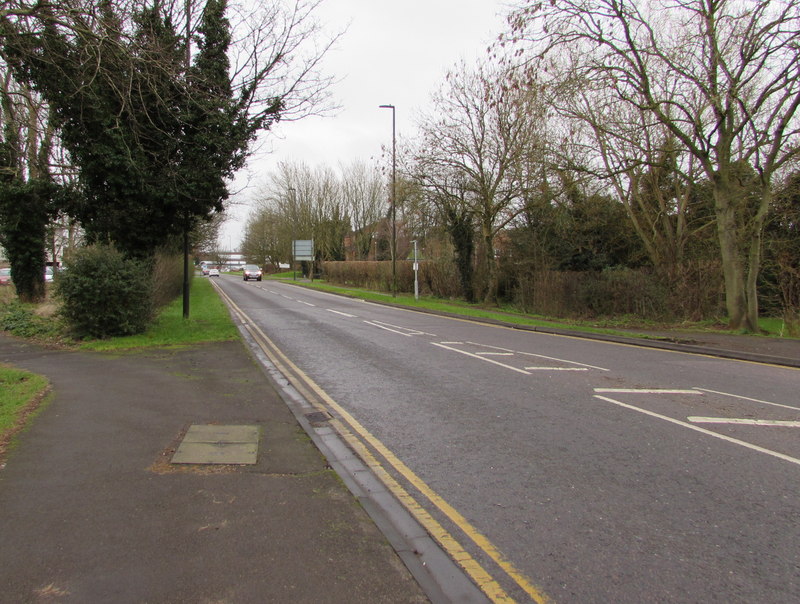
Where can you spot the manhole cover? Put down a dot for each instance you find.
(214, 444)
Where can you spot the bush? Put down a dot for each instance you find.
(104, 294)
(20, 320)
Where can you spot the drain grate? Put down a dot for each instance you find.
(317, 417)
(215, 444)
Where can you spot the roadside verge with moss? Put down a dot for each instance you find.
(21, 393)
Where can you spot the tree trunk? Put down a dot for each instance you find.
(491, 265)
(740, 291)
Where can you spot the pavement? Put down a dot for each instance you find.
(93, 509)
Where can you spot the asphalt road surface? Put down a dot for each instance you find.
(571, 470)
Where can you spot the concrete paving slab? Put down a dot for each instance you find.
(211, 433)
(216, 453)
(218, 444)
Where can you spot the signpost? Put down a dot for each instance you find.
(303, 250)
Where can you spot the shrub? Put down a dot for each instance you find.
(20, 320)
(104, 294)
(436, 277)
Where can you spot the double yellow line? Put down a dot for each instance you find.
(358, 437)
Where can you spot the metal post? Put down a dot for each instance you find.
(394, 202)
(416, 273)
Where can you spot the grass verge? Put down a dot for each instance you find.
(21, 393)
(209, 321)
(624, 326)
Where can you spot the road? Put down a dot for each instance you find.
(571, 470)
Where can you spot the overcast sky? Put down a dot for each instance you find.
(392, 53)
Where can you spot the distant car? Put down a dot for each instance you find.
(251, 271)
(205, 270)
(5, 276)
(48, 274)
(213, 272)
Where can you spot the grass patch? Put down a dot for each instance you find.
(460, 308)
(17, 388)
(209, 321)
(624, 326)
(283, 275)
(20, 395)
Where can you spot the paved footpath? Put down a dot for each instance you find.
(92, 510)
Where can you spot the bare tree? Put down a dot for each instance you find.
(720, 75)
(478, 133)
(647, 168)
(302, 203)
(264, 241)
(363, 194)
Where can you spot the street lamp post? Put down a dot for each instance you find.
(293, 195)
(394, 202)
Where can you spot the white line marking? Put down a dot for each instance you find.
(745, 422)
(475, 356)
(496, 354)
(678, 422)
(540, 356)
(557, 369)
(747, 398)
(645, 391)
(416, 332)
(455, 343)
(402, 333)
(492, 347)
(306, 303)
(338, 312)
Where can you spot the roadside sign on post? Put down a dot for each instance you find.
(303, 249)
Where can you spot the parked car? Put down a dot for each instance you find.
(205, 270)
(213, 272)
(251, 271)
(48, 274)
(5, 276)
